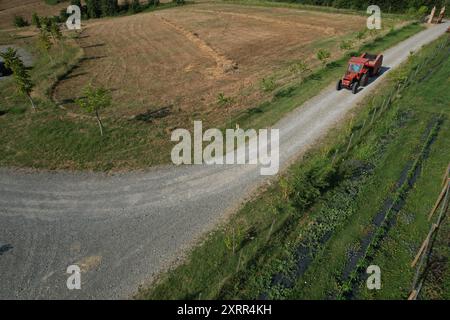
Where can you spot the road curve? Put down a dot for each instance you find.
(123, 229)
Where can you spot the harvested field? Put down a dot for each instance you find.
(187, 56)
(25, 8)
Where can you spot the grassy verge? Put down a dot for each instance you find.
(295, 239)
(57, 139)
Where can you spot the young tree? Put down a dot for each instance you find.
(361, 35)
(45, 23)
(135, 6)
(20, 72)
(95, 100)
(323, 55)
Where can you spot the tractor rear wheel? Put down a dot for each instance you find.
(339, 85)
(364, 79)
(355, 87)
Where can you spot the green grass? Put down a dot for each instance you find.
(314, 198)
(403, 241)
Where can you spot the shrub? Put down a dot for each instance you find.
(20, 22)
(346, 45)
(309, 185)
(285, 92)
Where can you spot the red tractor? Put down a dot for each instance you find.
(359, 70)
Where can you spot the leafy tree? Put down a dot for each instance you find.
(135, 6)
(10, 57)
(45, 24)
(346, 45)
(299, 67)
(93, 8)
(44, 42)
(361, 35)
(109, 7)
(323, 55)
(95, 100)
(55, 31)
(268, 84)
(20, 72)
(76, 3)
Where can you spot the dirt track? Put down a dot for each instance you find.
(125, 228)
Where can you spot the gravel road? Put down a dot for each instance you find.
(125, 228)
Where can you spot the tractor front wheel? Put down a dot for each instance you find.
(339, 85)
(355, 87)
